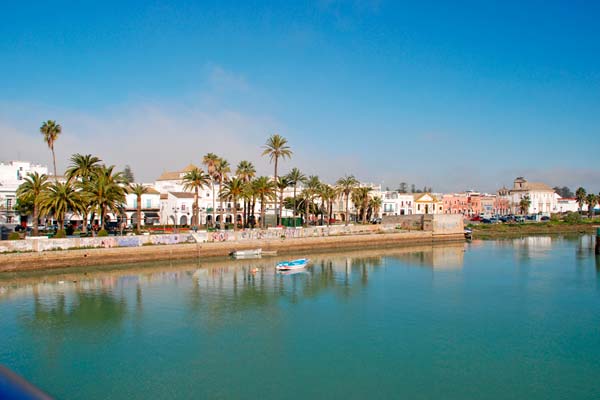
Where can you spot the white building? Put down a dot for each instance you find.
(543, 199)
(396, 203)
(150, 207)
(12, 175)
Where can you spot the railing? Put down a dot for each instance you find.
(13, 386)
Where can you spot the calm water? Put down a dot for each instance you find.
(487, 320)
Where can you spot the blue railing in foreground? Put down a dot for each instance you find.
(14, 387)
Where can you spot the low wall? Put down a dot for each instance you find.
(438, 224)
(412, 222)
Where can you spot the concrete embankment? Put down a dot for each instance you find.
(106, 256)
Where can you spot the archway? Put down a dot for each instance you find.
(183, 220)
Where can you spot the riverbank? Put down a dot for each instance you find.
(105, 256)
(492, 231)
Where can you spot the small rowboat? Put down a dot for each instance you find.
(292, 265)
(246, 253)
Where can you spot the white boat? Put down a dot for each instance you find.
(300, 263)
(246, 253)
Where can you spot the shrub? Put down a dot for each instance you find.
(102, 233)
(60, 234)
(14, 236)
(573, 218)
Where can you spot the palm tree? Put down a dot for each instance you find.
(591, 201)
(195, 179)
(375, 204)
(58, 199)
(82, 169)
(51, 130)
(245, 171)
(295, 177)
(346, 185)
(524, 205)
(362, 201)
(211, 160)
(328, 195)
(32, 190)
(106, 192)
(222, 170)
(264, 189)
(138, 190)
(311, 189)
(232, 191)
(276, 147)
(282, 183)
(580, 194)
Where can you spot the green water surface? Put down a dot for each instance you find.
(509, 319)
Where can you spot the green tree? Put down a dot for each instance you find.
(580, 195)
(50, 129)
(81, 170)
(210, 160)
(59, 199)
(195, 180)
(276, 147)
(362, 200)
(264, 190)
(138, 190)
(295, 177)
(328, 195)
(375, 204)
(222, 170)
(524, 205)
(282, 184)
(128, 174)
(346, 185)
(246, 172)
(31, 191)
(106, 192)
(591, 201)
(232, 191)
(311, 189)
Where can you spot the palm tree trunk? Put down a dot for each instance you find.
(221, 225)
(234, 213)
(276, 214)
(262, 212)
(295, 211)
(281, 207)
(54, 163)
(347, 208)
(84, 214)
(306, 209)
(35, 219)
(212, 184)
(196, 210)
(139, 214)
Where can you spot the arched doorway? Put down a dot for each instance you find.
(183, 220)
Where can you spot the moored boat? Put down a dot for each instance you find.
(468, 233)
(292, 265)
(246, 253)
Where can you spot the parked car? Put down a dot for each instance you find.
(476, 218)
(376, 221)
(486, 221)
(519, 218)
(545, 218)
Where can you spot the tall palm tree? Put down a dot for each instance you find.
(524, 205)
(222, 170)
(58, 199)
(264, 189)
(375, 204)
(295, 177)
(138, 190)
(245, 171)
(580, 194)
(346, 185)
(81, 170)
(328, 195)
(311, 189)
(276, 147)
(282, 183)
(591, 201)
(195, 180)
(106, 192)
(232, 191)
(362, 197)
(50, 129)
(211, 160)
(32, 190)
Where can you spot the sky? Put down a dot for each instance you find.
(453, 95)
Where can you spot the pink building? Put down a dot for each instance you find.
(467, 204)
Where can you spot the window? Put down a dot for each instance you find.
(183, 207)
(148, 203)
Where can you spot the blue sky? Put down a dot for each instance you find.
(452, 95)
